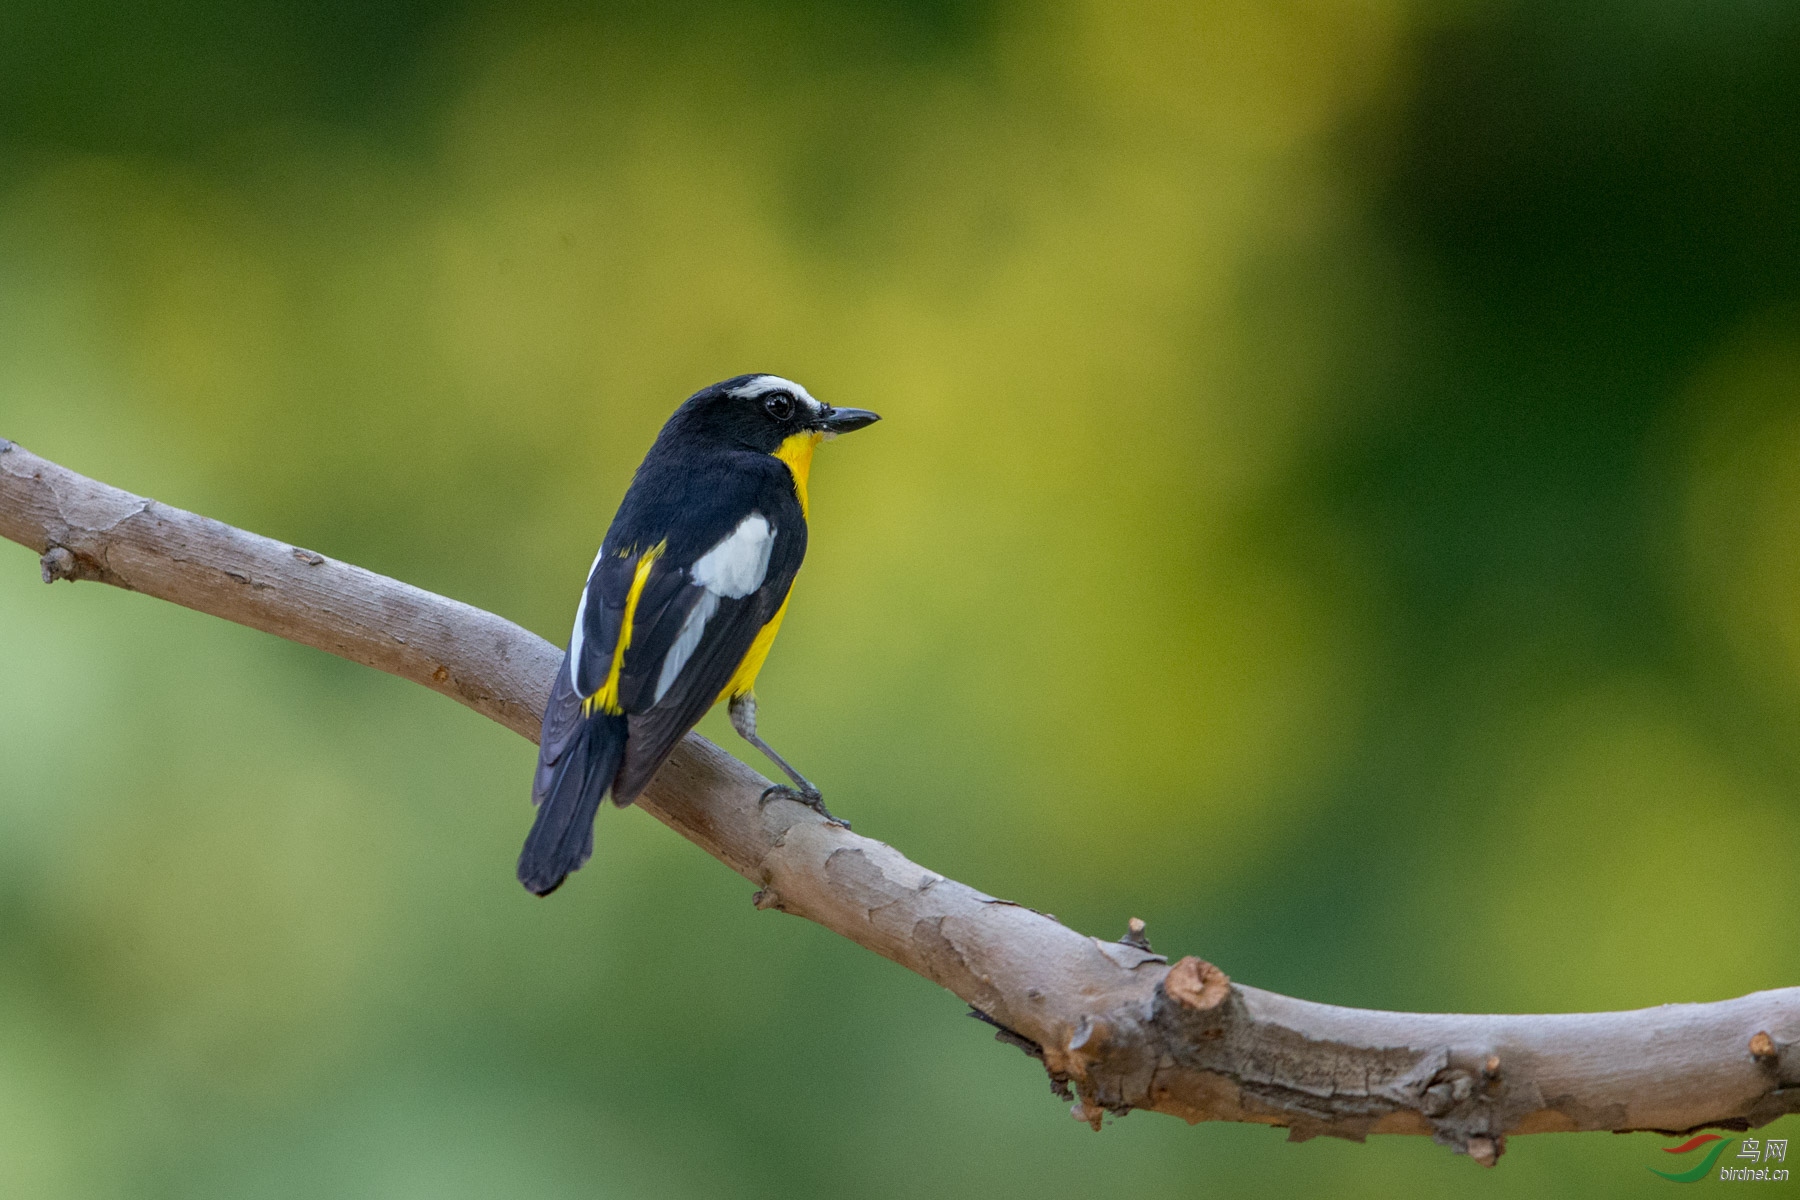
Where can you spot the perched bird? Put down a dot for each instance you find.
(680, 608)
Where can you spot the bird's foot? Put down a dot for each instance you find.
(811, 797)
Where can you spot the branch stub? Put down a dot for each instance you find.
(1196, 984)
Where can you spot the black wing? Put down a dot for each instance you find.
(686, 657)
(693, 568)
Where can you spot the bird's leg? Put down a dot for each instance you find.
(743, 719)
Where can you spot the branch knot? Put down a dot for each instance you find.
(57, 563)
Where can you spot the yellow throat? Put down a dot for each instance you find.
(797, 451)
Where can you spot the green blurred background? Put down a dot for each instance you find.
(1339, 500)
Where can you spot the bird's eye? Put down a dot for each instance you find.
(779, 405)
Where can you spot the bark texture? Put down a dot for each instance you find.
(1115, 1025)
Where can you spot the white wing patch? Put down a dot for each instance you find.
(577, 640)
(732, 569)
(686, 642)
(736, 566)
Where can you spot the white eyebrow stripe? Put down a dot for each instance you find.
(763, 384)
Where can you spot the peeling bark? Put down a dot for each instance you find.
(1110, 1020)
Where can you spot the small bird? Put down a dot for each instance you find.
(681, 606)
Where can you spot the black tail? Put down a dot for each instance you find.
(567, 790)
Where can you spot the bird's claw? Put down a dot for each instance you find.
(811, 797)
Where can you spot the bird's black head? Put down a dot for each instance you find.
(762, 412)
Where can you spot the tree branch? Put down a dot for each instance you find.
(1110, 1020)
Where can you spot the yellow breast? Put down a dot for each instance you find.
(797, 452)
(744, 678)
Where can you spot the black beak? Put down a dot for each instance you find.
(844, 420)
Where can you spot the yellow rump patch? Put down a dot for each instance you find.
(797, 451)
(607, 698)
